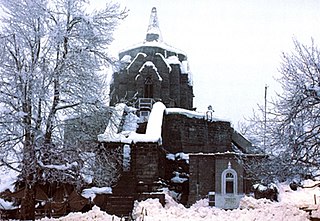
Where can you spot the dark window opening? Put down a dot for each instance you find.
(229, 183)
(148, 88)
(229, 186)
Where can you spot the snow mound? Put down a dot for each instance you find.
(95, 214)
(252, 203)
(264, 210)
(302, 197)
(289, 208)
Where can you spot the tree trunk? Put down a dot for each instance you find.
(28, 203)
(28, 175)
(29, 161)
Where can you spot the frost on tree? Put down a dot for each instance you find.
(52, 58)
(292, 123)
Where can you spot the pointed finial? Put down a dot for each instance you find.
(229, 165)
(153, 32)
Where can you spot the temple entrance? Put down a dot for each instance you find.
(148, 88)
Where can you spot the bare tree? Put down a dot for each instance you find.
(293, 118)
(53, 54)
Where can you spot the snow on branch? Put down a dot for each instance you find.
(66, 166)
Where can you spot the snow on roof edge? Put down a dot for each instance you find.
(151, 64)
(227, 153)
(162, 45)
(190, 114)
(91, 193)
(135, 58)
(165, 61)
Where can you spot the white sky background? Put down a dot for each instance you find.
(234, 46)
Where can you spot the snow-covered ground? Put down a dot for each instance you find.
(250, 209)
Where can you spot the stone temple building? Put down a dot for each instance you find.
(165, 141)
(153, 70)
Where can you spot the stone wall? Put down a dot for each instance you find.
(192, 135)
(175, 85)
(205, 174)
(186, 92)
(202, 176)
(147, 165)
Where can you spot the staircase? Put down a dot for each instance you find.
(120, 202)
(126, 184)
(119, 205)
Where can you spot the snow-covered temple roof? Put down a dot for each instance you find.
(155, 44)
(154, 39)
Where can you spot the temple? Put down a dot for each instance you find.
(193, 154)
(150, 142)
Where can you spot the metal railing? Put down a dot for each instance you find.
(145, 103)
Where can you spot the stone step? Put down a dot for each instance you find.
(115, 204)
(125, 185)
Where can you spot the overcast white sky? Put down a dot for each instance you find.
(234, 46)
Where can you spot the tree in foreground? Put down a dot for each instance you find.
(290, 136)
(53, 54)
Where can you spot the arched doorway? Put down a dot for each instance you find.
(229, 181)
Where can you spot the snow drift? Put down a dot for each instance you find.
(289, 208)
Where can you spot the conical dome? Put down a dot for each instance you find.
(153, 32)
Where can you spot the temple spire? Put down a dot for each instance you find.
(153, 32)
